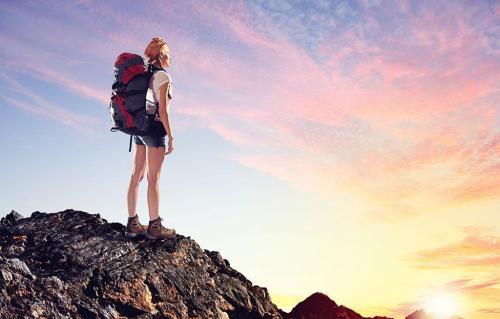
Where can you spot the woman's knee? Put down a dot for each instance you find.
(153, 178)
(141, 177)
(137, 177)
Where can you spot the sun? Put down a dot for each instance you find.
(442, 305)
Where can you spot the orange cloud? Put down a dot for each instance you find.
(478, 252)
(473, 294)
(489, 310)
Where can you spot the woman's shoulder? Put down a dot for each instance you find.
(163, 76)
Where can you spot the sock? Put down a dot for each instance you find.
(152, 221)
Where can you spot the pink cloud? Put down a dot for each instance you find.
(44, 69)
(407, 116)
(375, 132)
(38, 105)
(409, 104)
(77, 87)
(229, 18)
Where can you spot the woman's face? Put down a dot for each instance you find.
(165, 58)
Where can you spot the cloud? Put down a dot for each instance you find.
(405, 126)
(468, 286)
(394, 110)
(77, 87)
(26, 99)
(475, 258)
(488, 310)
(467, 293)
(475, 252)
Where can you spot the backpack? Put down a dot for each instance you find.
(128, 98)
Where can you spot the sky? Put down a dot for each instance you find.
(345, 147)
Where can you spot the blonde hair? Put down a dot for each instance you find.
(154, 50)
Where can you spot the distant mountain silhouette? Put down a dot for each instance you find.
(320, 306)
(422, 314)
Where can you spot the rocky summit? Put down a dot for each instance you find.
(72, 264)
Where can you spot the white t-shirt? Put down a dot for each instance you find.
(152, 96)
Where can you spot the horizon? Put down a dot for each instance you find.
(343, 147)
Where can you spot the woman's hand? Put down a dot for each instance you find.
(170, 146)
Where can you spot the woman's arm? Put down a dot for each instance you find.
(164, 108)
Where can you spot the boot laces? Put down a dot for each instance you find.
(157, 223)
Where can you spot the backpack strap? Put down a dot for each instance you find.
(157, 110)
(130, 143)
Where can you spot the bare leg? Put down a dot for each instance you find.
(138, 170)
(155, 156)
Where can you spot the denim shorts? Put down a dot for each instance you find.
(151, 141)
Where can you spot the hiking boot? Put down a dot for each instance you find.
(156, 230)
(134, 227)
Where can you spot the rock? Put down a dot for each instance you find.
(6, 275)
(11, 218)
(72, 264)
(18, 265)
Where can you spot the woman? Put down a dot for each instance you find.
(151, 149)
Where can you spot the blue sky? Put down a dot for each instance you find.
(311, 138)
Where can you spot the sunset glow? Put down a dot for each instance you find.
(346, 147)
(442, 305)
